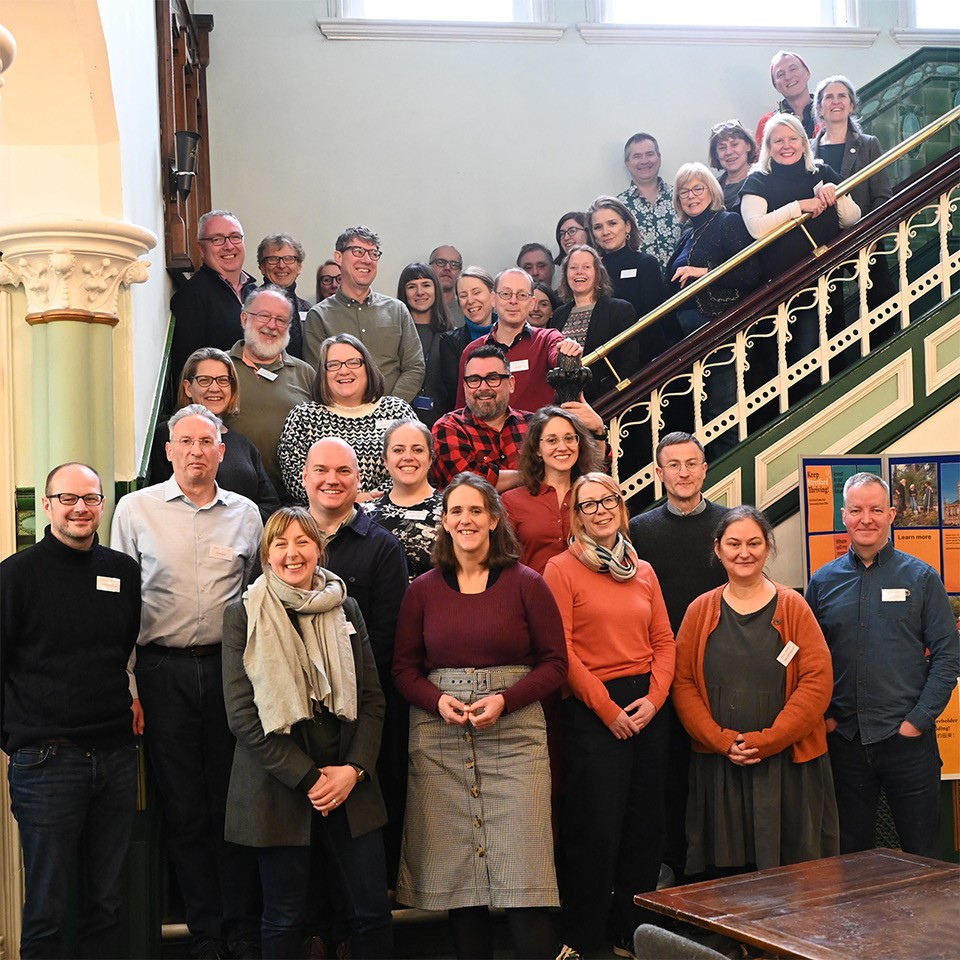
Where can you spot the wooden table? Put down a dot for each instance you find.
(875, 905)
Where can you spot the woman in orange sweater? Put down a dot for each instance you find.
(753, 680)
(621, 654)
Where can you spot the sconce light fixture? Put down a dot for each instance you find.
(183, 167)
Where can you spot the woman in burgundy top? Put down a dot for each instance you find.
(479, 644)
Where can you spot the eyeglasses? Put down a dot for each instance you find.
(265, 318)
(696, 191)
(186, 443)
(572, 231)
(218, 240)
(569, 439)
(675, 466)
(520, 295)
(354, 363)
(330, 281)
(69, 499)
(590, 507)
(204, 381)
(491, 380)
(441, 262)
(289, 258)
(360, 252)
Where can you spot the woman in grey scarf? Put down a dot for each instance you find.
(303, 699)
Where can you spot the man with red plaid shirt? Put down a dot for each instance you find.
(485, 436)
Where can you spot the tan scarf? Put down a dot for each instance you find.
(620, 561)
(292, 671)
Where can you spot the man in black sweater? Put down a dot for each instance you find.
(69, 617)
(677, 541)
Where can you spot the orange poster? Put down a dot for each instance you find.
(824, 547)
(948, 737)
(951, 560)
(922, 544)
(819, 500)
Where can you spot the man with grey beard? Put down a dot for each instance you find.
(271, 382)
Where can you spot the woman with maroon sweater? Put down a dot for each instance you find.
(479, 644)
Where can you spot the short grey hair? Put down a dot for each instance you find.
(864, 479)
(209, 215)
(196, 410)
(518, 270)
(267, 288)
(280, 240)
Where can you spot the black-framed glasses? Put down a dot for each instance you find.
(69, 499)
(332, 366)
(205, 381)
(290, 258)
(330, 281)
(360, 252)
(265, 317)
(572, 231)
(491, 380)
(590, 507)
(218, 239)
(442, 262)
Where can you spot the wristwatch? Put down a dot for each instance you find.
(603, 434)
(361, 773)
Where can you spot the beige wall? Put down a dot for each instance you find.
(483, 145)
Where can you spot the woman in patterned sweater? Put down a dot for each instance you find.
(348, 403)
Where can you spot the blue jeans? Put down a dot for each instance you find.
(73, 806)
(359, 865)
(908, 770)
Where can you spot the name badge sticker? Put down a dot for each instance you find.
(384, 423)
(894, 595)
(108, 584)
(221, 553)
(518, 366)
(627, 274)
(303, 316)
(788, 652)
(415, 515)
(266, 374)
(351, 629)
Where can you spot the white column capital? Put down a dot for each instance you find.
(73, 264)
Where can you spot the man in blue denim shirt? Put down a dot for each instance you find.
(896, 655)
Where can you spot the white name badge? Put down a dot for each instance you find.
(221, 553)
(351, 629)
(894, 595)
(303, 316)
(385, 423)
(788, 652)
(627, 274)
(108, 584)
(415, 515)
(266, 374)
(518, 366)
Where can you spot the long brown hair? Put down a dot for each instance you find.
(531, 463)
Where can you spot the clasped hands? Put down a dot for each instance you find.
(333, 787)
(825, 195)
(632, 719)
(481, 713)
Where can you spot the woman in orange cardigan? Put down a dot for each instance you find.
(752, 682)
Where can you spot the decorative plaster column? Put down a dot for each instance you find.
(71, 273)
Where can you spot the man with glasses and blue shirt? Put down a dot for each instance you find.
(206, 309)
(69, 618)
(530, 351)
(383, 324)
(270, 381)
(676, 539)
(196, 544)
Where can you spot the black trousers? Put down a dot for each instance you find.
(613, 818)
(190, 749)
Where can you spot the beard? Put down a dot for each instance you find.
(264, 348)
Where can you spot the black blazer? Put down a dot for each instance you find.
(859, 150)
(609, 317)
(723, 236)
(449, 349)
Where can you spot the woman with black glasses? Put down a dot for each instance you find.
(209, 378)
(621, 659)
(348, 403)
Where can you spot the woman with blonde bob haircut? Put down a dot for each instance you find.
(621, 654)
(303, 699)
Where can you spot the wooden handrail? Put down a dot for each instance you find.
(928, 184)
(670, 304)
